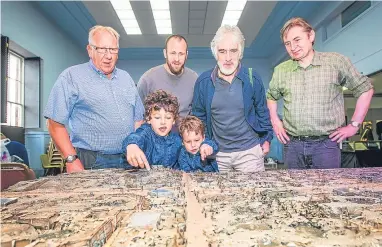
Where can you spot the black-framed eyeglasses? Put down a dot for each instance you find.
(103, 50)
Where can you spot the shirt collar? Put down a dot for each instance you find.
(99, 72)
(317, 58)
(167, 139)
(193, 155)
(316, 61)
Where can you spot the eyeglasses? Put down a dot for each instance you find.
(103, 50)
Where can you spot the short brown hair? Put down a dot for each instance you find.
(295, 21)
(191, 123)
(161, 99)
(175, 36)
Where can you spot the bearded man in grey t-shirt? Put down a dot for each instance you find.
(172, 76)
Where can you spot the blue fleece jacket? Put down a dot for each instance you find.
(159, 150)
(189, 162)
(255, 106)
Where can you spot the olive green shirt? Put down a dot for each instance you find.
(313, 97)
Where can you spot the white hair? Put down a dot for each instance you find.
(221, 32)
(99, 28)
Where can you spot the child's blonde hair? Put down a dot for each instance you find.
(191, 123)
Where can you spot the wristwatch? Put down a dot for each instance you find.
(355, 124)
(71, 158)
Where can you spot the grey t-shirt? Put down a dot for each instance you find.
(181, 86)
(229, 126)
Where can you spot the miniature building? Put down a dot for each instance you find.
(341, 207)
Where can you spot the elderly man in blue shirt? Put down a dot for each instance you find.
(98, 103)
(230, 100)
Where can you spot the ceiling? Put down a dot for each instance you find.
(196, 20)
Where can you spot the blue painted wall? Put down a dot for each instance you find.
(136, 68)
(26, 25)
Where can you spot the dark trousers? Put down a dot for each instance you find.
(97, 160)
(312, 154)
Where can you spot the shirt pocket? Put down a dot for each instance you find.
(327, 85)
(125, 97)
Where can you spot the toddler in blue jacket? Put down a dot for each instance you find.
(154, 143)
(196, 149)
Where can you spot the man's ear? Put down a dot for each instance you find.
(312, 36)
(89, 49)
(165, 53)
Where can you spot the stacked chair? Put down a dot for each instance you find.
(52, 161)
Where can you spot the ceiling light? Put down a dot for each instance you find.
(133, 30)
(160, 4)
(164, 30)
(233, 12)
(162, 16)
(120, 4)
(129, 23)
(163, 23)
(126, 15)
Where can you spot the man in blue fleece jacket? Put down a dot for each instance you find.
(230, 100)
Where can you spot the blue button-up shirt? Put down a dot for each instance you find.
(189, 162)
(159, 150)
(99, 112)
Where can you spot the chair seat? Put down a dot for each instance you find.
(12, 173)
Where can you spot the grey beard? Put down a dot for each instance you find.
(228, 74)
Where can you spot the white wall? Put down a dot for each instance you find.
(360, 40)
(26, 25)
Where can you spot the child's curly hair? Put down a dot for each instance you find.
(161, 99)
(191, 123)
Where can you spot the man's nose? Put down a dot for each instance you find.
(293, 46)
(228, 56)
(108, 54)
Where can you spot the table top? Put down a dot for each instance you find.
(337, 207)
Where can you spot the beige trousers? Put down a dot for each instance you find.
(251, 160)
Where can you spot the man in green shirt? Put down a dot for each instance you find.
(311, 84)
